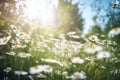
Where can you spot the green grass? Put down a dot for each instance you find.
(62, 50)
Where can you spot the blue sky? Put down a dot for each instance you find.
(88, 14)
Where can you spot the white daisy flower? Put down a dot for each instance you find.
(79, 75)
(40, 75)
(77, 60)
(48, 69)
(25, 37)
(41, 49)
(8, 69)
(93, 38)
(114, 32)
(65, 73)
(71, 33)
(51, 35)
(103, 54)
(41, 44)
(52, 61)
(13, 27)
(24, 55)
(99, 41)
(93, 48)
(11, 53)
(20, 72)
(15, 46)
(20, 33)
(36, 69)
(75, 36)
(3, 41)
(62, 36)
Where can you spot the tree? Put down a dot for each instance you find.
(68, 16)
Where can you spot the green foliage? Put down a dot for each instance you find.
(59, 53)
(68, 16)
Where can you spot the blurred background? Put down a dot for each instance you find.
(60, 16)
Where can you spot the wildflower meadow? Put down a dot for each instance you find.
(31, 53)
(92, 58)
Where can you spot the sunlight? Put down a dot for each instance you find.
(41, 10)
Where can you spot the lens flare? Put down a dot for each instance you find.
(41, 10)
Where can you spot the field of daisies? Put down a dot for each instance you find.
(68, 56)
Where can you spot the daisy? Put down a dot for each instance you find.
(26, 38)
(93, 48)
(64, 73)
(99, 41)
(114, 32)
(71, 33)
(8, 69)
(36, 69)
(103, 54)
(11, 53)
(3, 41)
(48, 69)
(93, 38)
(77, 60)
(79, 75)
(51, 35)
(40, 76)
(62, 36)
(75, 36)
(20, 33)
(41, 49)
(41, 44)
(13, 27)
(15, 46)
(24, 55)
(52, 61)
(20, 72)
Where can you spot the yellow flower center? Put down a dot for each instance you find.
(20, 71)
(100, 41)
(41, 75)
(16, 46)
(47, 68)
(41, 49)
(42, 43)
(36, 67)
(12, 53)
(24, 54)
(93, 46)
(21, 33)
(116, 29)
(4, 39)
(93, 38)
(77, 75)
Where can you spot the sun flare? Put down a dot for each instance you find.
(41, 10)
